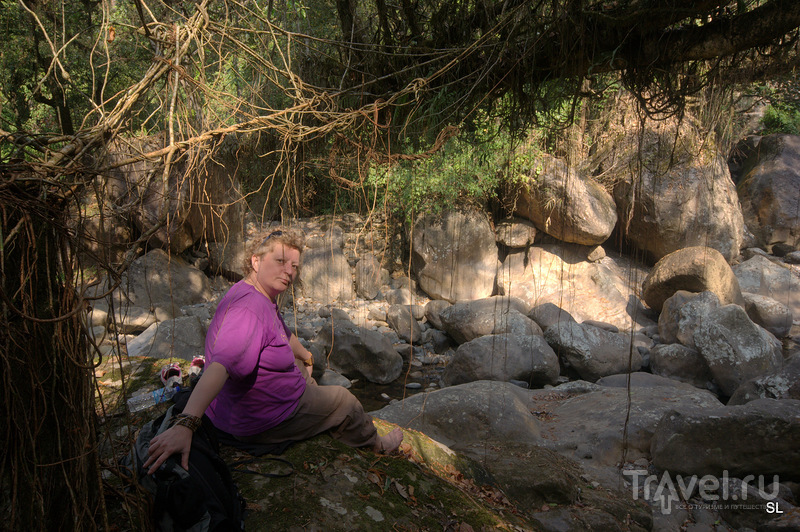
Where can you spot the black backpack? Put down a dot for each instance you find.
(204, 498)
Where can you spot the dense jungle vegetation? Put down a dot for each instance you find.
(327, 106)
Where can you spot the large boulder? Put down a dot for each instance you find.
(561, 274)
(759, 275)
(481, 411)
(549, 315)
(676, 361)
(214, 210)
(757, 438)
(359, 352)
(515, 232)
(402, 321)
(735, 348)
(768, 183)
(773, 315)
(504, 357)
(692, 202)
(694, 269)
(455, 256)
(432, 310)
(326, 276)
(598, 426)
(156, 284)
(370, 276)
(593, 352)
(227, 258)
(681, 314)
(467, 320)
(557, 482)
(565, 205)
(182, 338)
(481, 415)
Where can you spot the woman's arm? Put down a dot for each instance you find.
(178, 439)
(300, 352)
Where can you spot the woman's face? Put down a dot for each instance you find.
(275, 270)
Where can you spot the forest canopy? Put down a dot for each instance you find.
(68, 66)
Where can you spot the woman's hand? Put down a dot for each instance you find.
(176, 439)
(301, 353)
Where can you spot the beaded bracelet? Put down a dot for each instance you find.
(186, 420)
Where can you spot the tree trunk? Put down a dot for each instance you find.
(48, 473)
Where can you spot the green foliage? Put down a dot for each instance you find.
(781, 118)
(468, 169)
(782, 115)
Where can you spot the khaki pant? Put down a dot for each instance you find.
(320, 409)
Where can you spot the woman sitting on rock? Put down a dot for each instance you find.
(257, 384)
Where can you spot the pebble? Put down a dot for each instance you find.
(414, 386)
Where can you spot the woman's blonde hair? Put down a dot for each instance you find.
(266, 240)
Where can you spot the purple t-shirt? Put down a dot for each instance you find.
(250, 339)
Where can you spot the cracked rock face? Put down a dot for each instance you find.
(735, 348)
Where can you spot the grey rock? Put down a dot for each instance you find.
(773, 315)
(762, 276)
(481, 411)
(326, 237)
(432, 310)
(690, 201)
(515, 232)
(359, 352)
(694, 269)
(182, 338)
(783, 384)
(755, 495)
(681, 314)
(593, 352)
(561, 274)
(439, 341)
(504, 357)
(793, 257)
(326, 275)
(610, 327)
(455, 256)
(549, 314)
(735, 348)
(467, 320)
(568, 206)
(369, 277)
(332, 378)
(159, 281)
(338, 314)
(133, 319)
(768, 189)
(760, 436)
(681, 363)
(400, 319)
(398, 296)
(644, 380)
(590, 426)
(227, 258)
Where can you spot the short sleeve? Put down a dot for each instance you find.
(236, 342)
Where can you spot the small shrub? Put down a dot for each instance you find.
(781, 118)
